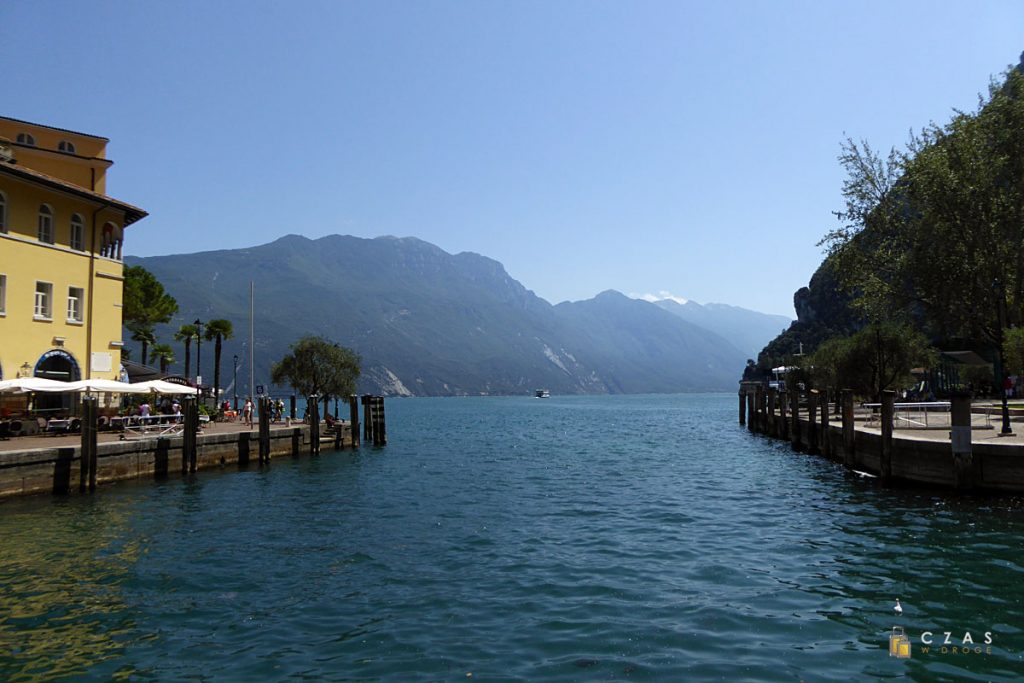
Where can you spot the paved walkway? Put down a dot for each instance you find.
(984, 428)
(36, 441)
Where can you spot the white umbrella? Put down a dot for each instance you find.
(159, 386)
(22, 385)
(107, 386)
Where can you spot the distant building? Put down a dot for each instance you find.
(61, 242)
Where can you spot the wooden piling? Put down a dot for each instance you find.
(243, 449)
(353, 416)
(743, 405)
(367, 436)
(848, 428)
(794, 425)
(89, 431)
(960, 440)
(382, 418)
(812, 421)
(752, 418)
(291, 400)
(773, 399)
(314, 425)
(85, 461)
(824, 438)
(62, 471)
(264, 431)
(296, 440)
(783, 426)
(162, 458)
(885, 458)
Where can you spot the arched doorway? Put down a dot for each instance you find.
(56, 364)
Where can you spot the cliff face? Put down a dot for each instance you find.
(823, 311)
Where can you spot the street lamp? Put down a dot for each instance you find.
(234, 382)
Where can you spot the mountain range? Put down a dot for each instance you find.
(426, 322)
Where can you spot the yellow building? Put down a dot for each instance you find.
(61, 242)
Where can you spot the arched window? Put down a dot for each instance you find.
(26, 139)
(45, 224)
(3, 213)
(77, 241)
(66, 146)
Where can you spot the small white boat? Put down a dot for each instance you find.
(542, 393)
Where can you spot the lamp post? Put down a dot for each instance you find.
(1004, 379)
(234, 382)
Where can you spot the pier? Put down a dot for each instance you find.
(62, 464)
(956, 445)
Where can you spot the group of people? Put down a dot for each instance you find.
(249, 411)
(168, 406)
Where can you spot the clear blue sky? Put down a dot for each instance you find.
(685, 147)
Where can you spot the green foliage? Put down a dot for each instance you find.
(144, 301)
(1013, 351)
(878, 357)
(218, 330)
(318, 366)
(936, 233)
(162, 353)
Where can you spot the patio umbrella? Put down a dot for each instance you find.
(22, 385)
(158, 386)
(107, 386)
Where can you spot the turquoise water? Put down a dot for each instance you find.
(582, 538)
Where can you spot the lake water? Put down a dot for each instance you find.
(582, 538)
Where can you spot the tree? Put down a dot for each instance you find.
(185, 335)
(145, 303)
(318, 366)
(1013, 350)
(878, 357)
(218, 330)
(162, 353)
(144, 335)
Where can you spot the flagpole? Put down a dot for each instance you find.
(252, 384)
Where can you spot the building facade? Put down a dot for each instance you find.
(61, 244)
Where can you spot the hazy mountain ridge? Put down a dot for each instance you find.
(746, 329)
(431, 323)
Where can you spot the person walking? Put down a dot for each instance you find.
(247, 412)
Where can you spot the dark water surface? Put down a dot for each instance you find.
(582, 538)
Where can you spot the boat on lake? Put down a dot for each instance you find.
(542, 393)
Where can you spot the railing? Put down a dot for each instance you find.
(923, 415)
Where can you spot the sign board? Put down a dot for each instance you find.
(102, 362)
(259, 389)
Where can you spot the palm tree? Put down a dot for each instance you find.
(144, 335)
(218, 330)
(164, 353)
(185, 334)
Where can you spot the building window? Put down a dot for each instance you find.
(45, 224)
(3, 213)
(66, 146)
(44, 301)
(76, 295)
(3, 295)
(77, 241)
(26, 139)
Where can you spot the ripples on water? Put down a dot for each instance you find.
(583, 538)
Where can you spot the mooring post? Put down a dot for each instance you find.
(824, 438)
(773, 398)
(89, 428)
(751, 416)
(848, 428)
(62, 471)
(813, 399)
(885, 461)
(292, 401)
(743, 405)
(264, 431)
(960, 440)
(337, 435)
(383, 423)
(243, 449)
(783, 425)
(296, 439)
(162, 458)
(353, 413)
(794, 426)
(314, 425)
(84, 459)
(367, 422)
